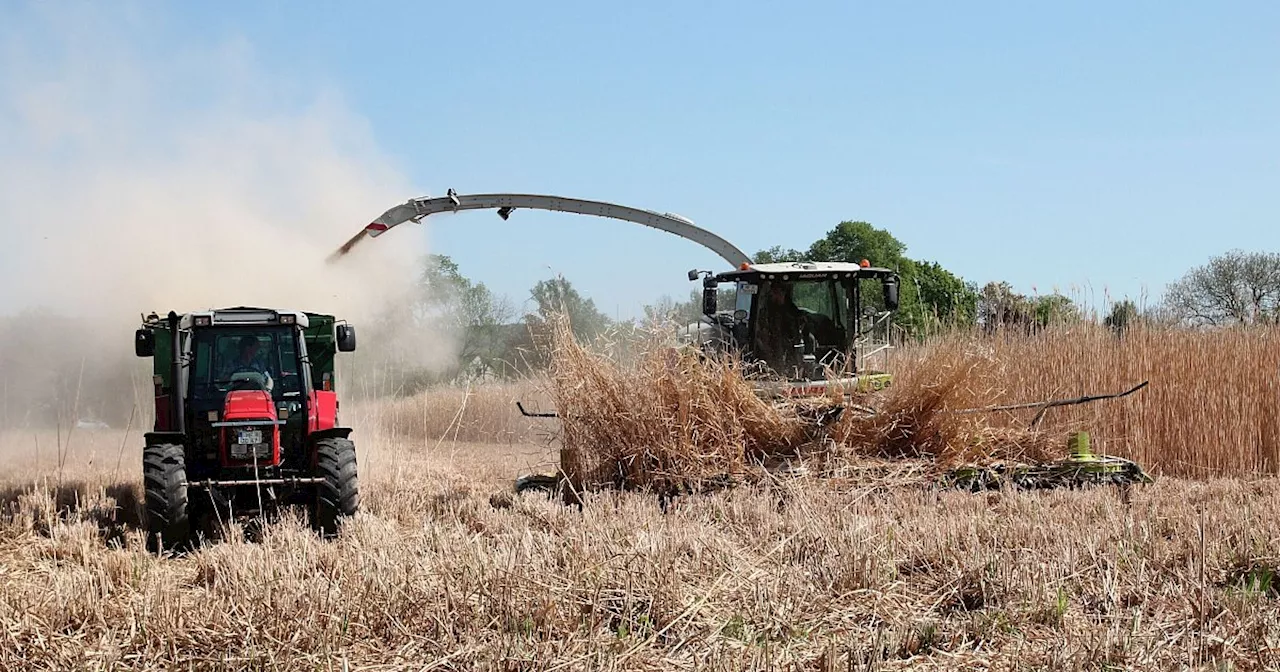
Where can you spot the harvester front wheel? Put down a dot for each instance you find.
(164, 477)
(338, 494)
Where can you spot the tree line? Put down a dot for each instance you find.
(496, 340)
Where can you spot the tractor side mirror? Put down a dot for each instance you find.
(346, 338)
(891, 294)
(144, 343)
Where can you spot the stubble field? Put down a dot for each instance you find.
(445, 569)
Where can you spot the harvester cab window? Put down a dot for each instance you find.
(802, 317)
(824, 304)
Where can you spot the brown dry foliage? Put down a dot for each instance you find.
(674, 419)
(1209, 409)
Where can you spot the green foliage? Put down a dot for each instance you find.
(1054, 309)
(855, 241)
(777, 255)
(1122, 316)
(558, 295)
(930, 296)
(669, 311)
(999, 307)
(443, 294)
(461, 322)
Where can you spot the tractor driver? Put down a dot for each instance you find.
(247, 361)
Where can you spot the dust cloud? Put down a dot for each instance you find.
(141, 171)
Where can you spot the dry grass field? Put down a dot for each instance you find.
(799, 573)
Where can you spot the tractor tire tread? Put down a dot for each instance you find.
(338, 495)
(164, 476)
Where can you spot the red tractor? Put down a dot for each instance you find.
(246, 421)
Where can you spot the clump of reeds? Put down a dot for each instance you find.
(670, 419)
(929, 412)
(678, 419)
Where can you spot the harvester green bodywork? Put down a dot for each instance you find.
(1080, 467)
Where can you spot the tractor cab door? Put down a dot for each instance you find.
(322, 349)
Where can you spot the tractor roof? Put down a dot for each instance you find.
(799, 270)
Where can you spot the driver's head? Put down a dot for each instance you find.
(778, 293)
(248, 348)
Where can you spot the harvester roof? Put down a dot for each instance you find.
(240, 315)
(805, 270)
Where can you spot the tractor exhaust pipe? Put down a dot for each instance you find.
(175, 371)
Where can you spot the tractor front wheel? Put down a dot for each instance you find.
(338, 494)
(164, 476)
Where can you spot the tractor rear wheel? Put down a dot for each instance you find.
(164, 476)
(338, 494)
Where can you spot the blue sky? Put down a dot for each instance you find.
(1090, 147)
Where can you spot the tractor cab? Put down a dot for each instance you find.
(801, 325)
(246, 411)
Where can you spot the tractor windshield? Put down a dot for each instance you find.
(245, 358)
(795, 318)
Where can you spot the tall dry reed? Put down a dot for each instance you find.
(1210, 408)
(480, 413)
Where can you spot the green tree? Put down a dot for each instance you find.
(855, 241)
(470, 311)
(447, 327)
(929, 295)
(1054, 309)
(1000, 307)
(559, 296)
(1122, 316)
(776, 255)
(932, 296)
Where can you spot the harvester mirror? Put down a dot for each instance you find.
(891, 294)
(144, 343)
(346, 338)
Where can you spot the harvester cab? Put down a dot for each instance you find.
(246, 420)
(802, 328)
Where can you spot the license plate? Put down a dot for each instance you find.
(239, 452)
(247, 438)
